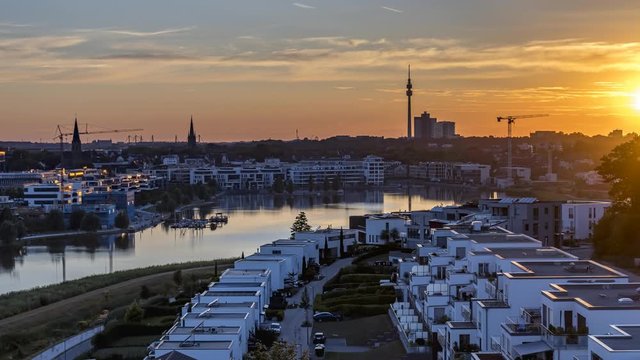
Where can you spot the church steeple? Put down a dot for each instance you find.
(76, 145)
(191, 138)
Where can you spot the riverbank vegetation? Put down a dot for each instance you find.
(112, 307)
(14, 303)
(174, 195)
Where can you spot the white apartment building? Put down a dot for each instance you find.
(53, 194)
(622, 342)
(331, 237)
(580, 217)
(381, 229)
(369, 171)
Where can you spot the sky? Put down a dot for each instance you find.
(258, 69)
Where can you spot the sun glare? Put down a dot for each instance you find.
(636, 100)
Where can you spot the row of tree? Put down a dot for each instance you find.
(617, 234)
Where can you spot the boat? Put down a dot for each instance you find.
(219, 218)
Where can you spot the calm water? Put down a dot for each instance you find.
(253, 221)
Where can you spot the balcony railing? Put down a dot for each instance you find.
(522, 329)
(558, 338)
(495, 344)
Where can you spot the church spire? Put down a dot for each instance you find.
(191, 138)
(76, 145)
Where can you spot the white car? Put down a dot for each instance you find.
(275, 327)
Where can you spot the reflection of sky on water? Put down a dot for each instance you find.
(253, 220)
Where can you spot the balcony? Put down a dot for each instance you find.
(459, 277)
(559, 338)
(441, 337)
(495, 344)
(522, 329)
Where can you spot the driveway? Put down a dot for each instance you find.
(292, 330)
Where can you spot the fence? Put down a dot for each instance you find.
(71, 347)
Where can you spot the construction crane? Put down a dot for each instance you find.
(511, 119)
(61, 135)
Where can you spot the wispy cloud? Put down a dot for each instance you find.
(303, 6)
(397, 11)
(344, 87)
(14, 25)
(150, 33)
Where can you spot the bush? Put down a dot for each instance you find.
(90, 222)
(122, 220)
(271, 314)
(373, 278)
(75, 220)
(154, 310)
(134, 313)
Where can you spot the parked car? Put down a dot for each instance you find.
(275, 327)
(326, 316)
(319, 338)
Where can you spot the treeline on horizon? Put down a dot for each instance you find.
(469, 149)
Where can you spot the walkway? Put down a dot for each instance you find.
(292, 330)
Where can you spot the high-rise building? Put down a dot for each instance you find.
(191, 138)
(448, 129)
(424, 126)
(409, 94)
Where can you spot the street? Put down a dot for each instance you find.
(292, 330)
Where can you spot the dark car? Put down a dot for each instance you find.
(326, 316)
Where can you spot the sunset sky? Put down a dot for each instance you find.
(257, 69)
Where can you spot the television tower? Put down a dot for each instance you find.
(409, 94)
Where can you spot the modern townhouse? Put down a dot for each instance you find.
(308, 250)
(331, 238)
(622, 342)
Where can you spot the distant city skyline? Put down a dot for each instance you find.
(250, 70)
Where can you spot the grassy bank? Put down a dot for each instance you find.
(17, 302)
(26, 334)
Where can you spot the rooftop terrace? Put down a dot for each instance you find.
(627, 340)
(531, 253)
(598, 296)
(194, 345)
(562, 269)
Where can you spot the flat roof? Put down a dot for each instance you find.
(217, 315)
(530, 253)
(229, 293)
(487, 356)
(461, 325)
(255, 272)
(232, 284)
(488, 238)
(562, 269)
(195, 345)
(627, 340)
(598, 296)
(188, 330)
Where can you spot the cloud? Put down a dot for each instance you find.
(149, 33)
(14, 25)
(303, 6)
(397, 11)
(344, 87)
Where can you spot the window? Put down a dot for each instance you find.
(546, 211)
(536, 213)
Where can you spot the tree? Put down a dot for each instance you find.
(341, 248)
(177, 277)
(215, 270)
(304, 300)
(8, 232)
(75, 220)
(326, 184)
(21, 229)
(278, 185)
(337, 183)
(300, 224)
(325, 252)
(279, 351)
(145, 293)
(242, 255)
(55, 220)
(134, 313)
(304, 264)
(621, 168)
(90, 222)
(122, 220)
(310, 183)
(289, 186)
(6, 215)
(385, 235)
(394, 234)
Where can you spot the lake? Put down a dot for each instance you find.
(253, 221)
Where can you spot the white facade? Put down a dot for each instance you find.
(332, 238)
(580, 217)
(377, 225)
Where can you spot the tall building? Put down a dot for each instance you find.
(409, 94)
(424, 126)
(427, 127)
(191, 138)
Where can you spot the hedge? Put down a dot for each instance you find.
(119, 330)
(349, 278)
(367, 299)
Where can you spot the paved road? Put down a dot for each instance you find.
(292, 330)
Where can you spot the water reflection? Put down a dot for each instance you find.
(253, 220)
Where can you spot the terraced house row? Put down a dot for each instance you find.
(474, 290)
